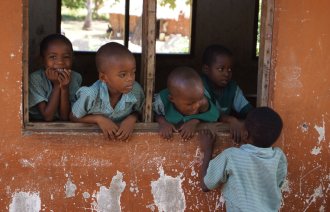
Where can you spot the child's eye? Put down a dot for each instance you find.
(229, 70)
(122, 75)
(53, 57)
(221, 69)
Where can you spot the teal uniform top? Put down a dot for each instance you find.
(163, 106)
(231, 98)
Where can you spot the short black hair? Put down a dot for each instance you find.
(51, 38)
(183, 76)
(110, 50)
(264, 126)
(212, 51)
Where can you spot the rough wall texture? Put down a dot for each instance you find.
(301, 93)
(82, 172)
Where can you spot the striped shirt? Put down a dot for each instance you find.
(96, 100)
(252, 177)
(40, 89)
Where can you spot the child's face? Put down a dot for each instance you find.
(58, 56)
(219, 72)
(119, 74)
(189, 102)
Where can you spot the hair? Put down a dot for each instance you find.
(183, 77)
(51, 38)
(212, 51)
(264, 126)
(110, 50)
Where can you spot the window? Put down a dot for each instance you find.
(148, 40)
(91, 23)
(257, 27)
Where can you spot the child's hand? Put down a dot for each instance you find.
(166, 129)
(52, 75)
(108, 127)
(236, 127)
(126, 128)
(187, 130)
(206, 139)
(64, 78)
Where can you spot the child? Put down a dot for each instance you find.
(115, 98)
(252, 174)
(52, 89)
(225, 93)
(183, 103)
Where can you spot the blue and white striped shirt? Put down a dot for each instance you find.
(252, 177)
(96, 100)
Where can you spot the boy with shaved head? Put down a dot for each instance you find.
(183, 104)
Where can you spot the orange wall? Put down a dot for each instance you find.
(301, 94)
(80, 171)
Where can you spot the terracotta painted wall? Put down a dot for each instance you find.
(82, 172)
(301, 94)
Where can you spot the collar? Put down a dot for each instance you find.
(125, 98)
(258, 151)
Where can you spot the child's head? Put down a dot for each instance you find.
(186, 90)
(217, 65)
(56, 52)
(116, 67)
(263, 126)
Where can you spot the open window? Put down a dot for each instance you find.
(155, 67)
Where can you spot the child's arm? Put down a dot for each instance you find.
(166, 129)
(206, 143)
(108, 127)
(187, 129)
(64, 79)
(126, 127)
(235, 126)
(48, 109)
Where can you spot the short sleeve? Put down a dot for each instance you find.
(139, 95)
(37, 92)
(158, 106)
(241, 104)
(85, 101)
(282, 169)
(216, 171)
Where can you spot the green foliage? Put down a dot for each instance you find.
(171, 3)
(74, 4)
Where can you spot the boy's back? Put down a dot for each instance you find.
(252, 177)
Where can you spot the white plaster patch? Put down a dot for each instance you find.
(318, 193)
(12, 55)
(321, 132)
(25, 202)
(70, 189)
(220, 203)
(322, 208)
(26, 163)
(109, 199)
(86, 195)
(316, 150)
(167, 192)
(286, 186)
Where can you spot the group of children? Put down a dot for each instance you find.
(253, 173)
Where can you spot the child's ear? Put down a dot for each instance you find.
(245, 136)
(102, 77)
(170, 97)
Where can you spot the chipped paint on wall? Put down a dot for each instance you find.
(70, 189)
(109, 199)
(25, 202)
(321, 131)
(318, 193)
(316, 150)
(168, 193)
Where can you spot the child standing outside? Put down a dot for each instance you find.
(224, 92)
(253, 174)
(115, 100)
(183, 104)
(53, 88)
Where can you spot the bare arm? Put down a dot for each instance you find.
(64, 80)
(206, 143)
(127, 126)
(235, 126)
(166, 129)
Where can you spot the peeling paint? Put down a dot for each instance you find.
(316, 150)
(318, 193)
(167, 192)
(70, 189)
(26, 163)
(86, 195)
(109, 199)
(25, 202)
(286, 186)
(321, 132)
